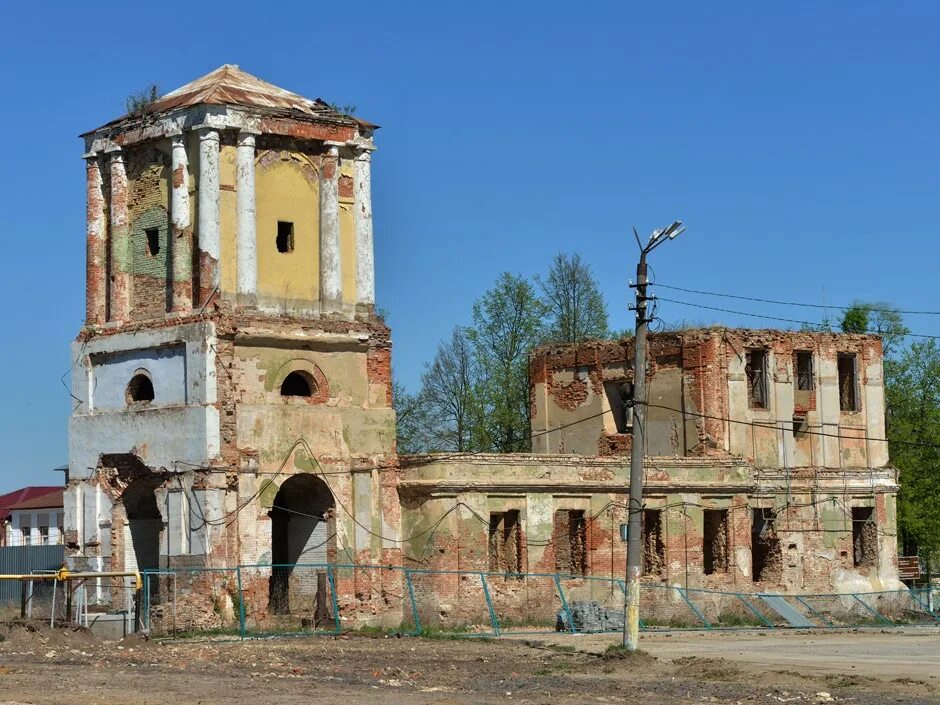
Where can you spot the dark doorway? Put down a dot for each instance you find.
(301, 533)
(142, 534)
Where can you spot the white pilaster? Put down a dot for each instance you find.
(331, 283)
(246, 250)
(365, 251)
(181, 246)
(209, 234)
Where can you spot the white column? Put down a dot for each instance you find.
(35, 538)
(209, 234)
(246, 251)
(331, 282)
(181, 242)
(365, 251)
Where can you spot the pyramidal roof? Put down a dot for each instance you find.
(229, 85)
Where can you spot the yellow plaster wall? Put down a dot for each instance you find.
(286, 188)
(228, 273)
(347, 237)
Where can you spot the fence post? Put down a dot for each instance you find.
(414, 603)
(564, 604)
(241, 603)
(489, 605)
(138, 603)
(22, 599)
(145, 600)
(338, 628)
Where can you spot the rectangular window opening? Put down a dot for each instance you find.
(756, 371)
(716, 541)
(864, 537)
(153, 241)
(285, 236)
(654, 549)
(800, 427)
(848, 382)
(570, 539)
(766, 556)
(505, 545)
(803, 369)
(619, 394)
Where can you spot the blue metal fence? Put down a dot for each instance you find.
(264, 600)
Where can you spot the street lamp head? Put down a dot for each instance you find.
(674, 230)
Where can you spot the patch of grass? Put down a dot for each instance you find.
(736, 619)
(455, 633)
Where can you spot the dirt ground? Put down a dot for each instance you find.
(39, 666)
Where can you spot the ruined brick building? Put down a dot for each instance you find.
(763, 472)
(234, 407)
(231, 369)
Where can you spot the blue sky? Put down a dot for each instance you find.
(799, 143)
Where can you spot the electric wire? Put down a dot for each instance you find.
(794, 303)
(815, 324)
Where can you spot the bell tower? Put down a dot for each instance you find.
(230, 341)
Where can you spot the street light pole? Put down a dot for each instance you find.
(631, 608)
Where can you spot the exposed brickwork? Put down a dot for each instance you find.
(380, 370)
(346, 187)
(96, 258)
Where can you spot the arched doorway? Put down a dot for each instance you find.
(301, 532)
(144, 528)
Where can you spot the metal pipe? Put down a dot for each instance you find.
(64, 574)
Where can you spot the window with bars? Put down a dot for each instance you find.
(756, 371)
(803, 370)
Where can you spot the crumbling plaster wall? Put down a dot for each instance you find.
(703, 373)
(571, 410)
(836, 438)
(447, 501)
(185, 430)
(345, 432)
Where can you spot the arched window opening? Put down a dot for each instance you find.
(298, 384)
(139, 389)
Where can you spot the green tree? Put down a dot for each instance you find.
(448, 389)
(507, 324)
(411, 419)
(879, 318)
(576, 309)
(913, 398)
